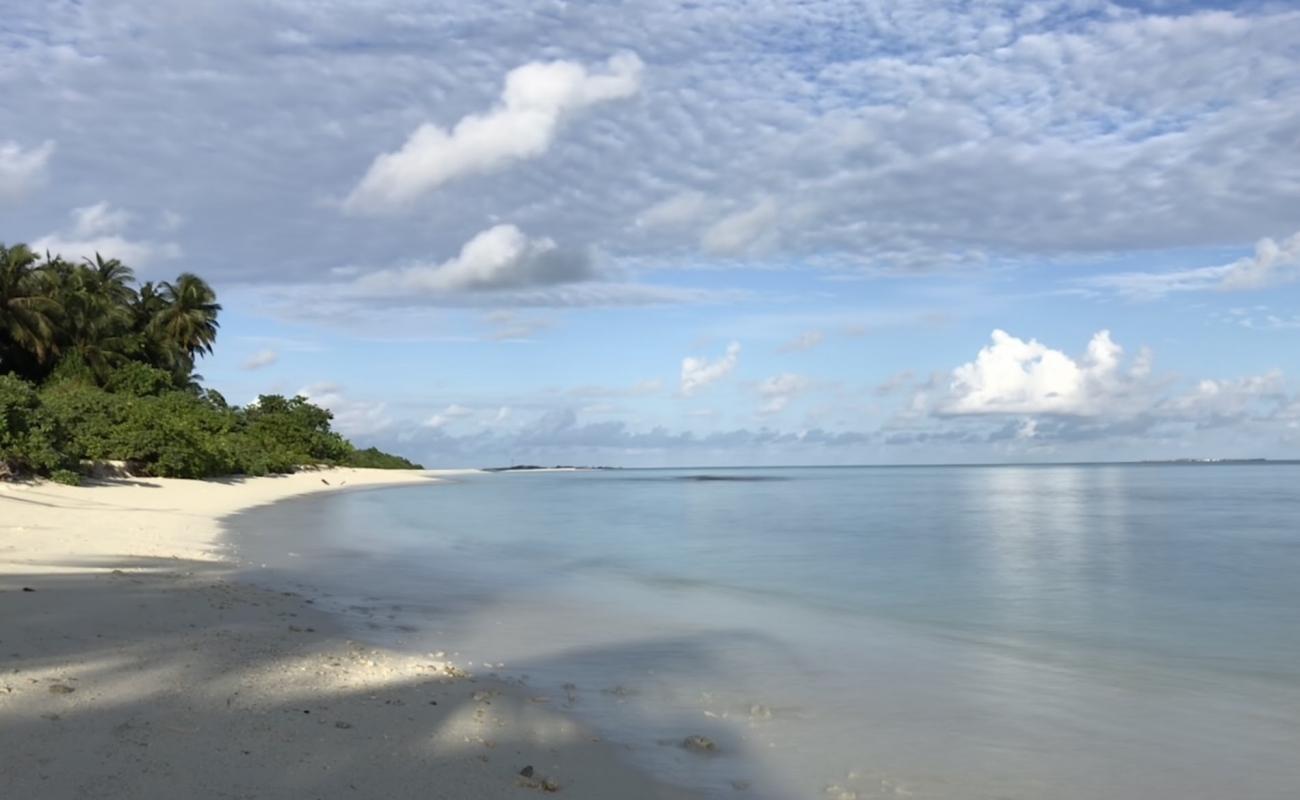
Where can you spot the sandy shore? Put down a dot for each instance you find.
(132, 666)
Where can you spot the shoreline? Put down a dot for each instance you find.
(134, 662)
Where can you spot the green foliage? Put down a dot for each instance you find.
(30, 439)
(139, 380)
(374, 458)
(94, 420)
(66, 477)
(93, 368)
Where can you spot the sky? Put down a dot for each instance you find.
(653, 232)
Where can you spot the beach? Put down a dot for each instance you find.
(133, 664)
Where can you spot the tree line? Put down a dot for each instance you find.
(95, 367)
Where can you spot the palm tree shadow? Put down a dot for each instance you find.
(258, 693)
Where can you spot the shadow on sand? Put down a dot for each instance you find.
(163, 678)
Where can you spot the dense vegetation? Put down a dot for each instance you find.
(96, 368)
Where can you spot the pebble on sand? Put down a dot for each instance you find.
(700, 744)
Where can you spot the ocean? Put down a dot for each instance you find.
(1015, 632)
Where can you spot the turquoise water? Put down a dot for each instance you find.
(947, 632)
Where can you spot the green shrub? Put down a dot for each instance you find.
(94, 419)
(374, 458)
(30, 439)
(66, 476)
(296, 427)
(139, 380)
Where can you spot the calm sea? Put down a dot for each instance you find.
(1063, 632)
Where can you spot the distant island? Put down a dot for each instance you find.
(1217, 461)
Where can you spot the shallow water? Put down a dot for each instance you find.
(946, 632)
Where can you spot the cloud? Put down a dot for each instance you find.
(1012, 376)
(1272, 263)
(22, 170)
(804, 341)
(700, 372)
(680, 209)
(260, 360)
(645, 388)
(510, 326)
(501, 257)
(743, 230)
(535, 100)
(97, 220)
(779, 390)
(451, 413)
(100, 229)
(351, 417)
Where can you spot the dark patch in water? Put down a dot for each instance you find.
(736, 478)
(713, 478)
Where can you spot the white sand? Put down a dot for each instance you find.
(137, 669)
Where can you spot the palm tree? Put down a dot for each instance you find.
(27, 314)
(187, 322)
(110, 279)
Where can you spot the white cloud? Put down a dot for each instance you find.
(779, 390)
(534, 102)
(351, 417)
(501, 257)
(261, 359)
(22, 170)
(510, 326)
(451, 413)
(804, 341)
(680, 209)
(1012, 376)
(99, 219)
(700, 372)
(100, 229)
(743, 230)
(1271, 263)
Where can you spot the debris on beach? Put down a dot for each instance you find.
(527, 771)
(60, 688)
(699, 744)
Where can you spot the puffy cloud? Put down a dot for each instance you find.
(1012, 376)
(700, 372)
(351, 417)
(777, 392)
(535, 100)
(260, 360)
(501, 257)
(804, 341)
(22, 170)
(100, 229)
(1271, 263)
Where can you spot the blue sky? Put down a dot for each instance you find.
(656, 232)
